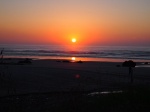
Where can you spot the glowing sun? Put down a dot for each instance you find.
(73, 40)
(73, 58)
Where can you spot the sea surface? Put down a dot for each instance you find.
(85, 53)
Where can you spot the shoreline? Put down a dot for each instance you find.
(22, 61)
(118, 62)
(84, 59)
(16, 61)
(51, 75)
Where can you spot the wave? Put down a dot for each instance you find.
(122, 52)
(105, 53)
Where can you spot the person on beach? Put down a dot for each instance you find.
(129, 64)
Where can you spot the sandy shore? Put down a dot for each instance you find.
(43, 76)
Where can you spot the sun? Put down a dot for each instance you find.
(73, 58)
(73, 40)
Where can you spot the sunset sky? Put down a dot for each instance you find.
(91, 22)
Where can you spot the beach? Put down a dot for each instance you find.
(75, 56)
(57, 75)
(64, 85)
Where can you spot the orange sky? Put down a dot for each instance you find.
(92, 22)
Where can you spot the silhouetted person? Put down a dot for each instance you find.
(129, 64)
(131, 73)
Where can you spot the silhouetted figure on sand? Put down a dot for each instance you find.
(129, 64)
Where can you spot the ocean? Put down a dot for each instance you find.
(85, 53)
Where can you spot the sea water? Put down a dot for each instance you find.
(85, 53)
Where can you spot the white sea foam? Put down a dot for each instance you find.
(51, 51)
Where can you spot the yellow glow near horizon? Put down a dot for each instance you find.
(73, 40)
(75, 22)
(73, 58)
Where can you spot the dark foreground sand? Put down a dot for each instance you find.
(52, 76)
(58, 79)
